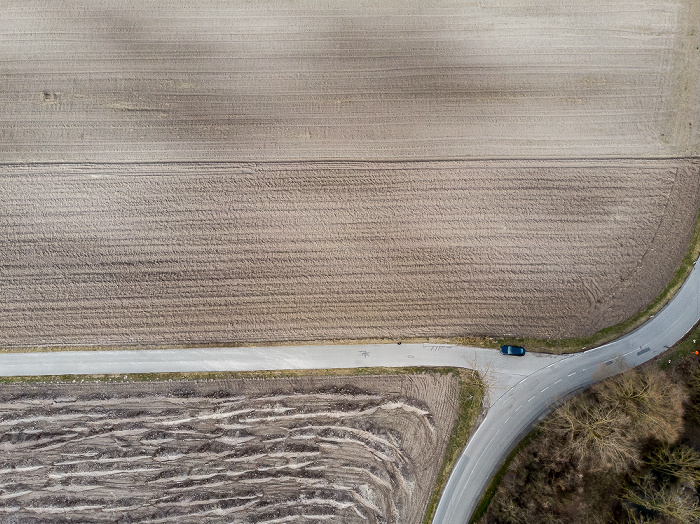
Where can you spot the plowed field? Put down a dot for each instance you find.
(111, 80)
(215, 253)
(350, 449)
(213, 172)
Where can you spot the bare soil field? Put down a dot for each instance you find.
(341, 206)
(307, 449)
(219, 253)
(299, 80)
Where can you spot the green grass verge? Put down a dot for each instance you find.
(488, 495)
(471, 395)
(226, 344)
(683, 349)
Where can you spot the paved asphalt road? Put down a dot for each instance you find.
(514, 413)
(521, 389)
(502, 373)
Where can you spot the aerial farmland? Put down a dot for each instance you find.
(350, 449)
(218, 172)
(319, 80)
(192, 253)
(223, 173)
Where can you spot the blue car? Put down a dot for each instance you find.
(512, 350)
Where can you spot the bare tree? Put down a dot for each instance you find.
(681, 462)
(633, 517)
(607, 428)
(653, 403)
(595, 436)
(673, 502)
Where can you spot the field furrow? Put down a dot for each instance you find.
(214, 253)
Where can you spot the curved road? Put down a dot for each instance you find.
(514, 413)
(521, 390)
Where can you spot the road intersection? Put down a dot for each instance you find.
(513, 414)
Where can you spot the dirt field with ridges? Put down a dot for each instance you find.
(110, 80)
(286, 238)
(214, 253)
(311, 449)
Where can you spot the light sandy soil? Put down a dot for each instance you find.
(112, 80)
(312, 449)
(216, 253)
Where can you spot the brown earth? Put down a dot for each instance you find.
(268, 245)
(341, 449)
(110, 80)
(214, 253)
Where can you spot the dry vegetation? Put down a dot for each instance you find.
(110, 80)
(301, 449)
(214, 253)
(627, 451)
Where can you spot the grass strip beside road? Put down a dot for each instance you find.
(471, 394)
(222, 375)
(682, 350)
